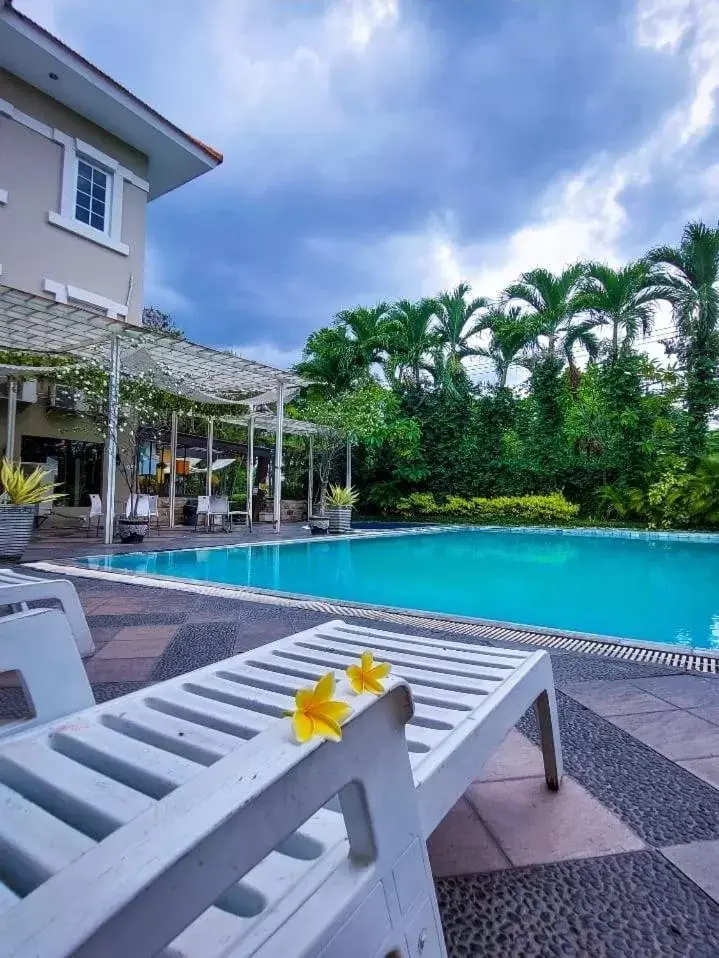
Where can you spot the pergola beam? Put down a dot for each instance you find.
(113, 402)
(11, 418)
(277, 486)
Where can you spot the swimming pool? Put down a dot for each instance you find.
(655, 590)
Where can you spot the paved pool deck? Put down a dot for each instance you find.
(623, 861)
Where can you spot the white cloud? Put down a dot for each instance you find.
(286, 91)
(269, 354)
(581, 215)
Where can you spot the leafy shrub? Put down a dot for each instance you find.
(418, 504)
(678, 499)
(504, 509)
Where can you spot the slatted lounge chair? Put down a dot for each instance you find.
(75, 782)
(17, 589)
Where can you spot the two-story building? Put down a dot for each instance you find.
(80, 159)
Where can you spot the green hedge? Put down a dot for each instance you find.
(505, 509)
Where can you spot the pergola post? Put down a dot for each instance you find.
(348, 466)
(113, 402)
(173, 466)
(279, 426)
(210, 454)
(250, 464)
(11, 418)
(311, 477)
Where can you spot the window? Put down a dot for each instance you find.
(92, 195)
(76, 464)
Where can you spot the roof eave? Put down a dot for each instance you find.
(114, 109)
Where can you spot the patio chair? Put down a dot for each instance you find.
(154, 512)
(17, 589)
(203, 509)
(39, 644)
(96, 512)
(128, 754)
(220, 509)
(143, 505)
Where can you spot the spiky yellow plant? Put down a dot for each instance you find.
(21, 490)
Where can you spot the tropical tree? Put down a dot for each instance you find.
(459, 322)
(328, 359)
(367, 329)
(625, 298)
(556, 301)
(412, 335)
(687, 277)
(511, 333)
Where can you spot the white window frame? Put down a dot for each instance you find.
(109, 192)
(72, 149)
(76, 149)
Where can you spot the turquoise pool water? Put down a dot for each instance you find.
(654, 590)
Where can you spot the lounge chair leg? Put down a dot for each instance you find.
(549, 736)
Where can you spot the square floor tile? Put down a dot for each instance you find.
(699, 862)
(615, 698)
(534, 826)
(516, 757)
(676, 734)
(710, 713)
(146, 633)
(704, 768)
(461, 845)
(684, 691)
(119, 670)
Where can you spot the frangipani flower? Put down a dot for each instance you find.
(317, 713)
(366, 677)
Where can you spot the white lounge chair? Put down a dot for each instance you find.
(114, 763)
(40, 646)
(17, 589)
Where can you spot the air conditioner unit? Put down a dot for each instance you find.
(26, 390)
(61, 398)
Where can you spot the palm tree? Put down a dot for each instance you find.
(512, 332)
(623, 297)
(687, 277)
(328, 359)
(412, 336)
(556, 301)
(459, 322)
(367, 328)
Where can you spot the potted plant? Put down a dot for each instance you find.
(339, 508)
(18, 506)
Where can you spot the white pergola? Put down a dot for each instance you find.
(31, 323)
(292, 427)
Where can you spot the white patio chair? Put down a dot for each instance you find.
(95, 512)
(203, 509)
(124, 752)
(39, 644)
(17, 589)
(154, 513)
(143, 505)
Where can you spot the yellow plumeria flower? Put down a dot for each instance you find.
(317, 713)
(366, 677)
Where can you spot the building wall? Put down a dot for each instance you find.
(32, 249)
(35, 419)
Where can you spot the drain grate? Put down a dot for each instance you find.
(688, 660)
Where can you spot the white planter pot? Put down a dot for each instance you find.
(340, 519)
(16, 524)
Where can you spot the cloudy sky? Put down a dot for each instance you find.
(377, 149)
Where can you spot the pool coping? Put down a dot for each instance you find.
(704, 660)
